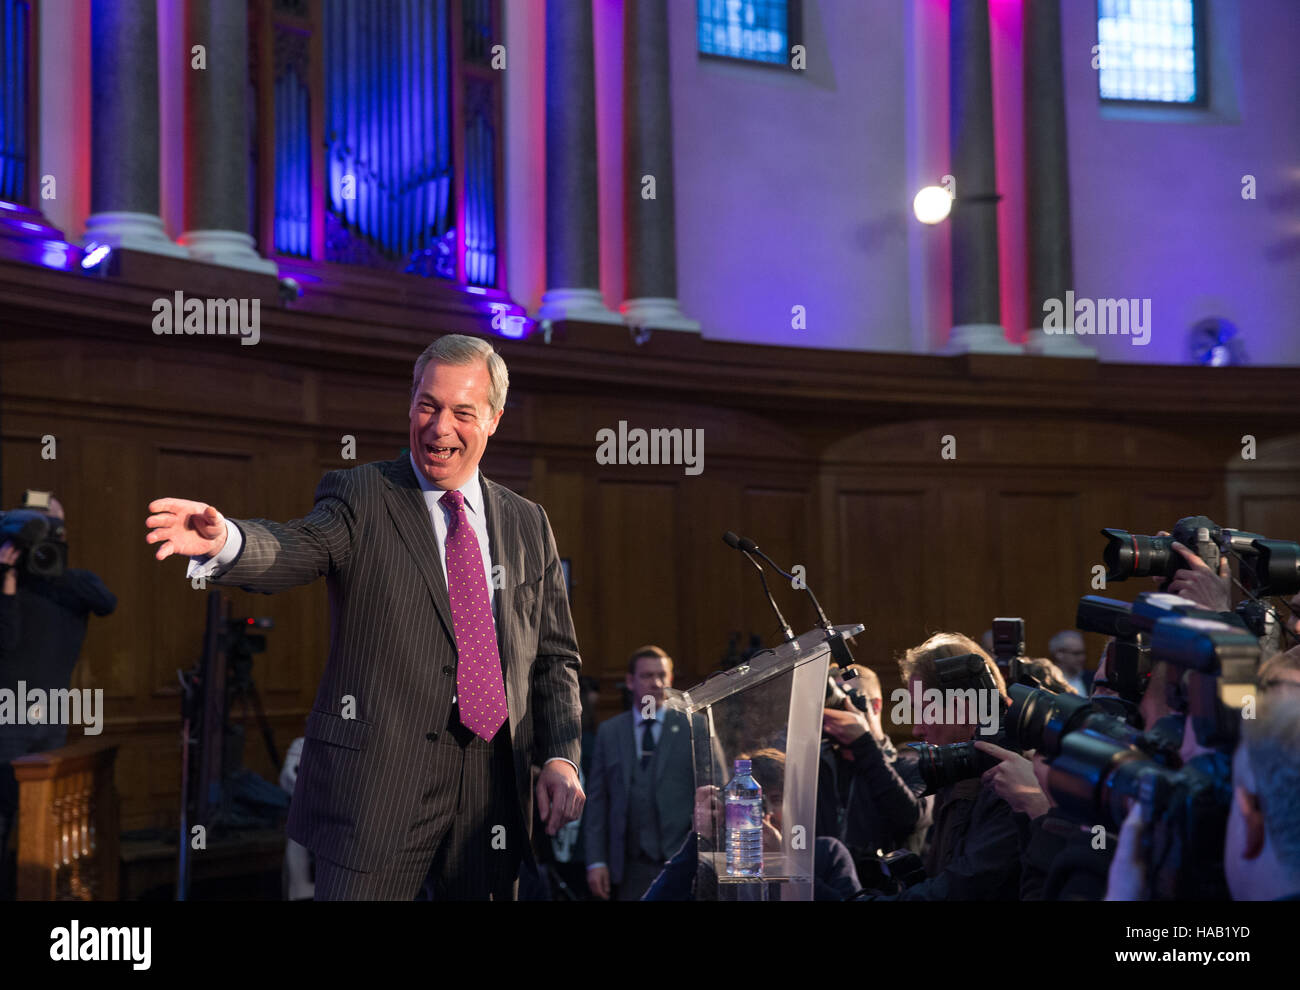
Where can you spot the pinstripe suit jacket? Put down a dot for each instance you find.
(393, 650)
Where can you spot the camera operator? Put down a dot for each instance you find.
(1261, 848)
(974, 844)
(883, 806)
(42, 627)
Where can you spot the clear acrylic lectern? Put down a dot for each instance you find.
(768, 710)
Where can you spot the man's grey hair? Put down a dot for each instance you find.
(1057, 641)
(458, 349)
(1273, 746)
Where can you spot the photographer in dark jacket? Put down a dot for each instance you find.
(42, 627)
(974, 845)
(883, 807)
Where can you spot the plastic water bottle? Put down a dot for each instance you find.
(744, 807)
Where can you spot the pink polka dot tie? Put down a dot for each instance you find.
(480, 690)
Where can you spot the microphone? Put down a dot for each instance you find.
(839, 649)
(733, 541)
(749, 546)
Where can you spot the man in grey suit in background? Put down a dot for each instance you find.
(453, 664)
(642, 785)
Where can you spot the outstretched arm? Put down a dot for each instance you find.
(273, 556)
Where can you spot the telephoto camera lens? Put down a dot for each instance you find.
(942, 766)
(1039, 720)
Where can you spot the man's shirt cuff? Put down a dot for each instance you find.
(206, 567)
(569, 762)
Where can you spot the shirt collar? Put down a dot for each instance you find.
(639, 721)
(472, 489)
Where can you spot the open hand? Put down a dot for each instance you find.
(192, 529)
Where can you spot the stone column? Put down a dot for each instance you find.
(975, 300)
(1047, 180)
(649, 236)
(124, 128)
(572, 221)
(216, 138)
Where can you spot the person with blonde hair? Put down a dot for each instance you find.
(974, 844)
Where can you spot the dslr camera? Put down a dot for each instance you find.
(1100, 764)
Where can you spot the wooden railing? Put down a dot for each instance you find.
(68, 821)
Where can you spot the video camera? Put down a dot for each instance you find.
(38, 535)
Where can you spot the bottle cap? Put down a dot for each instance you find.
(742, 766)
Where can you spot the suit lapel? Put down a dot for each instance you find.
(501, 533)
(410, 514)
(628, 747)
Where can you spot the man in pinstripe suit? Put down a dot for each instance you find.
(416, 774)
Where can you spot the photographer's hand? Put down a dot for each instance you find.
(771, 835)
(1128, 870)
(1197, 583)
(8, 558)
(1013, 780)
(844, 726)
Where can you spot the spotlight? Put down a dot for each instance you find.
(95, 254)
(932, 205)
(507, 322)
(289, 290)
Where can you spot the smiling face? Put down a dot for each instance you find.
(451, 420)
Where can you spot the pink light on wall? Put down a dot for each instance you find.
(525, 151)
(926, 119)
(173, 63)
(607, 26)
(1006, 37)
(65, 76)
